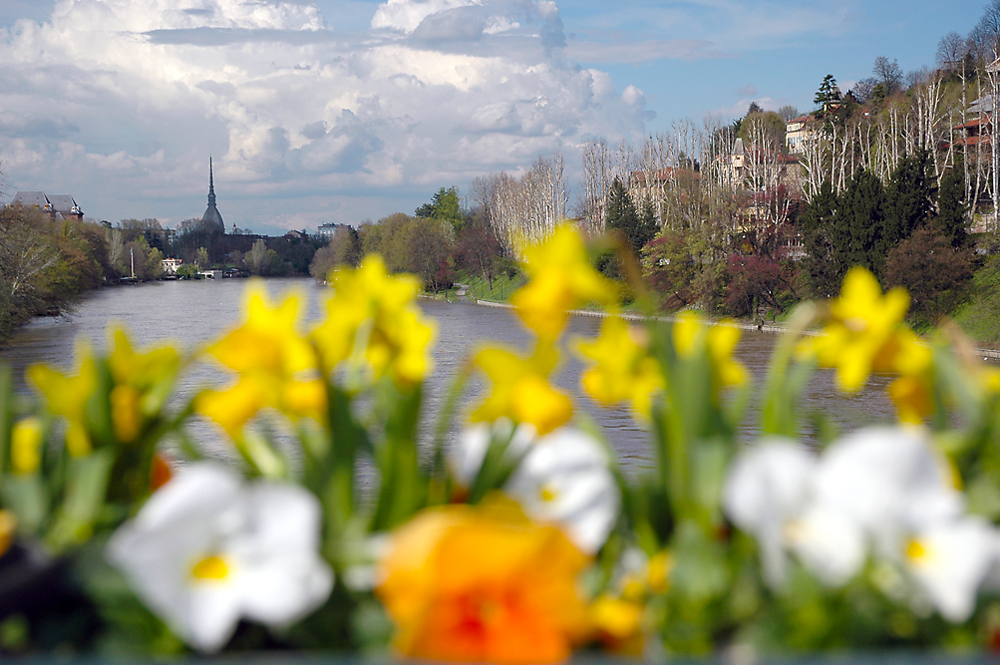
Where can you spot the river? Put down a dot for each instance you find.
(194, 313)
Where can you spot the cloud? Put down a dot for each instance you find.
(747, 91)
(121, 101)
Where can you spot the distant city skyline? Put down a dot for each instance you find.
(338, 111)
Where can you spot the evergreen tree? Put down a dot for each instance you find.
(828, 92)
(823, 272)
(622, 215)
(950, 220)
(858, 229)
(909, 197)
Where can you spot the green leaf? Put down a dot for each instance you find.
(86, 489)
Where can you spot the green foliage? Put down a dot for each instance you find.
(445, 206)
(828, 92)
(952, 211)
(856, 234)
(636, 227)
(824, 272)
(344, 250)
(980, 316)
(935, 274)
(909, 199)
(669, 269)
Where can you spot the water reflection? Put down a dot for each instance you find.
(193, 313)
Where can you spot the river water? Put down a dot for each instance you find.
(194, 313)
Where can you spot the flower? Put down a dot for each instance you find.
(26, 446)
(276, 366)
(563, 478)
(521, 390)
(718, 340)
(483, 584)
(881, 486)
(561, 277)
(372, 316)
(67, 395)
(624, 370)
(206, 550)
(768, 493)
(143, 380)
(950, 562)
(866, 333)
(267, 343)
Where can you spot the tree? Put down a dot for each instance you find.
(828, 92)
(636, 229)
(445, 206)
(935, 274)
(669, 269)
(478, 249)
(909, 198)
(951, 217)
(889, 74)
(201, 257)
(823, 271)
(856, 235)
(788, 112)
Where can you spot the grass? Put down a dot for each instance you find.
(980, 316)
(503, 287)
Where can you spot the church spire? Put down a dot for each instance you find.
(211, 184)
(212, 216)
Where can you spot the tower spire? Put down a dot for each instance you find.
(211, 183)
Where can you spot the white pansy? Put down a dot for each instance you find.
(888, 480)
(949, 561)
(467, 455)
(828, 543)
(207, 550)
(766, 489)
(565, 479)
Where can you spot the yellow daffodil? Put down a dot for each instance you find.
(521, 390)
(561, 278)
(866, 333)
(718, 340)
(483, 584)
(277, 367)
(267, 342)
(67, 395)
(624, 370)
(372, 316)
(26, 446)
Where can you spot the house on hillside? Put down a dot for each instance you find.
(799, 131)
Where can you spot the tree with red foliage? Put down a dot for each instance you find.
(755, 281)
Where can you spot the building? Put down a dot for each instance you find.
(212, 218)
(328, 230)
(170, 266)
(799, 131)
(57, 206)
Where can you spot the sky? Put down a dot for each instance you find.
(318, 111)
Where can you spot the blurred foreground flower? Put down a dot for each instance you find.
(719, 340)
(521, 389)
(866, 334)
(276, 366)
(624, 370)
(206, 550)
(67, 395)
(371, 316)
(563, 478)
(483, 584)
(883, 488)
(561, 278)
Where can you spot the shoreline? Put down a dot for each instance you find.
(991, 354)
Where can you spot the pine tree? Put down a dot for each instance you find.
(622, 215)
(858, 229)
(909, 198)
(823, 270)
(950, 220)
